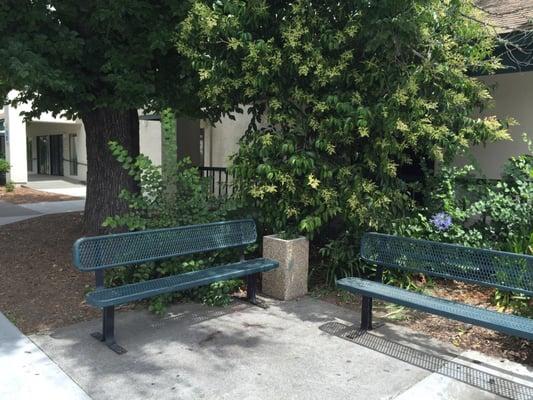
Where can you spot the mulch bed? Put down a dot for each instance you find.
(461, 335)
(24, 195)
(39, 288)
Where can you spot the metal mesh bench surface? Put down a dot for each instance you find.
(510, 324)
(508, 271)
(101, 252)
(98, 253)
(137, 291)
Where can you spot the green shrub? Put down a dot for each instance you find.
(484, 213)
(508, 206)
(386, 86)
(339, 259)
(453, 192)
(4, 166)
(508, 215)
(175, 198)
(10, 187)
(356, 93)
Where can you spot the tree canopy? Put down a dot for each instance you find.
(100, 61)
(74, 57)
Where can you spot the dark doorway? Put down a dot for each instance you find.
(50, 155)
(56, 155)
(190, 140)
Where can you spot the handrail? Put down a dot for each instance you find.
(70, 161)
(221, 187)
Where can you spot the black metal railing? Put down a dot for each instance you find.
(219, 181)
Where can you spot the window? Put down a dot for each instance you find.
(73, 154)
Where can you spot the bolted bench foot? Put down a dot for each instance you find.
(107, 335)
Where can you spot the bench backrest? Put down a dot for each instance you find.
(101, 252)
(508, 271)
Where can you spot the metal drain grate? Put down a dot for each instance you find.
(449, 368)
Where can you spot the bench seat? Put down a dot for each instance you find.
(506, 323)
(113, 296)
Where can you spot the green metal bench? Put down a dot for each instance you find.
(99, 253)
(507, 271)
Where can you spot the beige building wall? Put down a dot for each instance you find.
(66, 129)
(513, 97)
(15, 146)
(20, 134)
(222, 139)
(74, 133)
(150, 140)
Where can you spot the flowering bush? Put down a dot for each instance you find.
(442, 221)
(487, 214)
(385, 87)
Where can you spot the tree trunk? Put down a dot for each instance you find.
(105, 176)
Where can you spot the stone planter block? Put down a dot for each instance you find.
(289, 281)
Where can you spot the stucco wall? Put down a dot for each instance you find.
(38, 128)
(16, 145)
(222, 139)
(18, 131)
(150, 140)
(513, 97)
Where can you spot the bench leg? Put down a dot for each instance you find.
(108, 330)
(251, 288)
(366, 314)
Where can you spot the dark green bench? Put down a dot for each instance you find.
(99, 253)
(507, 271)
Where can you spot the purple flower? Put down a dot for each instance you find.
(442, 221)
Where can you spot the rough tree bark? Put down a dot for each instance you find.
(105, 176)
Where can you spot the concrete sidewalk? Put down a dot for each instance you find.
(305, 349)
(56, 207)
(10, 213)
(57, 184)
(28, 373)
